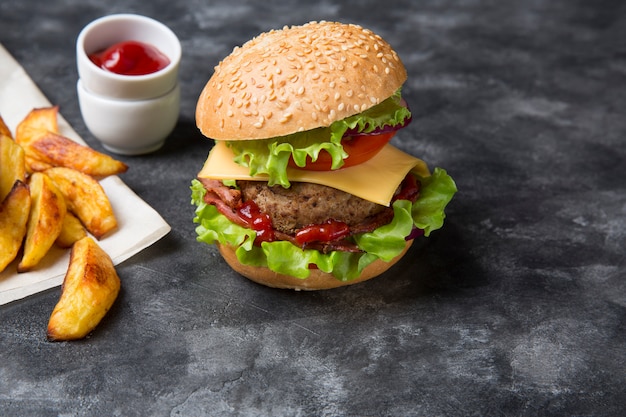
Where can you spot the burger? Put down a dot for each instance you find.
(301, 188)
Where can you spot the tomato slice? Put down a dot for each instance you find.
(359, 148)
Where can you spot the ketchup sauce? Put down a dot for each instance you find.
(258, 221)
(130, 58)
(328, 231)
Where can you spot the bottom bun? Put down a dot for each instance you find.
(317, 280)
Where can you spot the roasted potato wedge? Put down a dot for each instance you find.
(85, 198)
(14, 212)
(89, 289)
(35, 165)
(72, 231)
(56, 150)
(12, 166)
(36, 122)
(38, 133)
(4, 129)
(45, 222)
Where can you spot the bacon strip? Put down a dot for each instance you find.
(230, 196)
(224, 198)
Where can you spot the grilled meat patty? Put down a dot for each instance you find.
(303, 204)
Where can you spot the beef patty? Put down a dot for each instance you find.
(304, 204)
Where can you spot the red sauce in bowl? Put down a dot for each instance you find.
(130, 58)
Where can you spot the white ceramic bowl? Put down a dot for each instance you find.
(129, 127)
(108, 30)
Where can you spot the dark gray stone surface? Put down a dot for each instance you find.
(516, 307)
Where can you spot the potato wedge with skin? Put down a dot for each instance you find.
(85, 198)
(56, 150)
(12, 166)
(45, 222)
(14, 212)
(38, 133)
(72, 231)
(89, 289)
(37, 121)
(35, 165)
(4, 129)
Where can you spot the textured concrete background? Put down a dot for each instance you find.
(516, 307)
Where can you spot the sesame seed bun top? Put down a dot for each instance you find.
(296, 79)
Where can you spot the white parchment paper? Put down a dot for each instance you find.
(139, 225)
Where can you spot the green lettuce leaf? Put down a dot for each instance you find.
(436, 192)
(385, 243)
(271, 156)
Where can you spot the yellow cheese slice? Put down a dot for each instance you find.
(375, 180)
